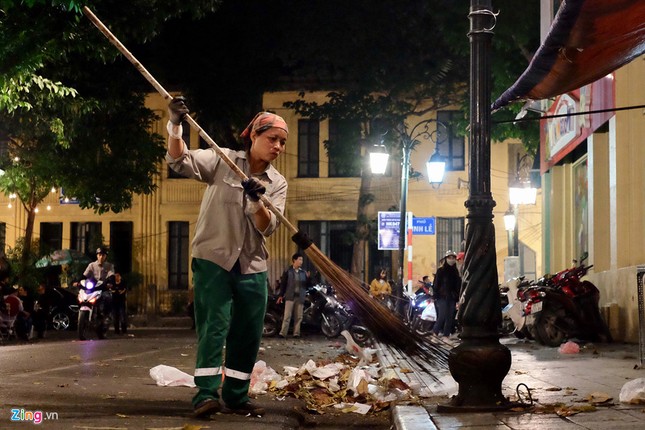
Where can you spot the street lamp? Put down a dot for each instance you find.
(510, 224)
(436, 167)
(521, 192)
(480, 363)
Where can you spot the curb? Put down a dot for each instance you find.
(412, 418)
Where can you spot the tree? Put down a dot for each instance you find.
(67, 122)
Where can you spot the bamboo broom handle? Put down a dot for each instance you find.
(161, 90)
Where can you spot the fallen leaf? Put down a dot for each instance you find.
(406, 370)
(598, 398)
(553, 389)
(122, 416)
(397, 383)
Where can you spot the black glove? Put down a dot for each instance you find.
(253, 188)
(177, 110)
(302, 240)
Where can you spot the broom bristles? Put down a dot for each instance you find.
(384, 324)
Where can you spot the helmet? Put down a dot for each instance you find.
(450, 253)
(101, 250)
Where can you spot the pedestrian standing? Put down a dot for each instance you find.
(229, 254)
(293, 287)
(446, 288)
(119, 304)
(380, 289)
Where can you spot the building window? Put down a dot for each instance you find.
(308, 151)
(178, 255)
(451, 145)
(121, 233)
(450, 235)
(186, 136)
(86, 237)
(343, 149)
(334, 238)
(51, 236)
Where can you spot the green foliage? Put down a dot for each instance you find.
(29, 275)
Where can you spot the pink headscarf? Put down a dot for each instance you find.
(263, 121)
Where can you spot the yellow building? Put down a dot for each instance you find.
(153, 237)
(594, 196)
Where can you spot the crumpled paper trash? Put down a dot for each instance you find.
(633, 392)
(569, 347)
(261, 376)
(167, 376)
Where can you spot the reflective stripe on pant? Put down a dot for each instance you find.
(295, 308)
(222, 300)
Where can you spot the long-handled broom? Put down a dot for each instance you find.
(384, 325)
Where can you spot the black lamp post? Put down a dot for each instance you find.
(480, 362)
(435, 169)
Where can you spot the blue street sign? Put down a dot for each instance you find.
(423, 225)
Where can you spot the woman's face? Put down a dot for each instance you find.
(269, 144)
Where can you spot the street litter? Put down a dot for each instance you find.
(569, 347)
(633, 392)
(167, 376)
(341, 384)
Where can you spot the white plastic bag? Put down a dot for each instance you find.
(167, 376)
(261, 376)
(429, 313)
(633, 392)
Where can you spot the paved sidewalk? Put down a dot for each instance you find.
(580, 381)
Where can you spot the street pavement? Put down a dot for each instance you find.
(590, 380)
(105, 384)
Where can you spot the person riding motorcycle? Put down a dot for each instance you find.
(101, 271)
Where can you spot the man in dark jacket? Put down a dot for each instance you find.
(293, 287)
(446, 286)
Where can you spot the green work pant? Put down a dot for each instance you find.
(229, 307)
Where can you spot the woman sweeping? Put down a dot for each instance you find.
(229, 255)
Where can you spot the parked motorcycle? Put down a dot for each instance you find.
(517, 303)
(421, 312)
(560, 307)
(93, 313)
(322, 311)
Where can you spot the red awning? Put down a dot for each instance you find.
(588, 40)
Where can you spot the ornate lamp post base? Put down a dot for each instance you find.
(479, 366)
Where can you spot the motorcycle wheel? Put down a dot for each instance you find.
(421, 327)
(331, 325)
(60, 321)
(360, 335)
(507, 327)
(272, 325)
(83, 323)
(549, 327)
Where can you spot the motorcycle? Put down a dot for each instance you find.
(321, 311)
(421, 312)
(517, 302)
(93, 313)
(559, 307)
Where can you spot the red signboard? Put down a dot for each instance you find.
(560, 136)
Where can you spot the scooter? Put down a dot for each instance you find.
(570, 309)
(322, 311)
(518, 302)
(557, 307)
(92, 312)
(422, 313)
